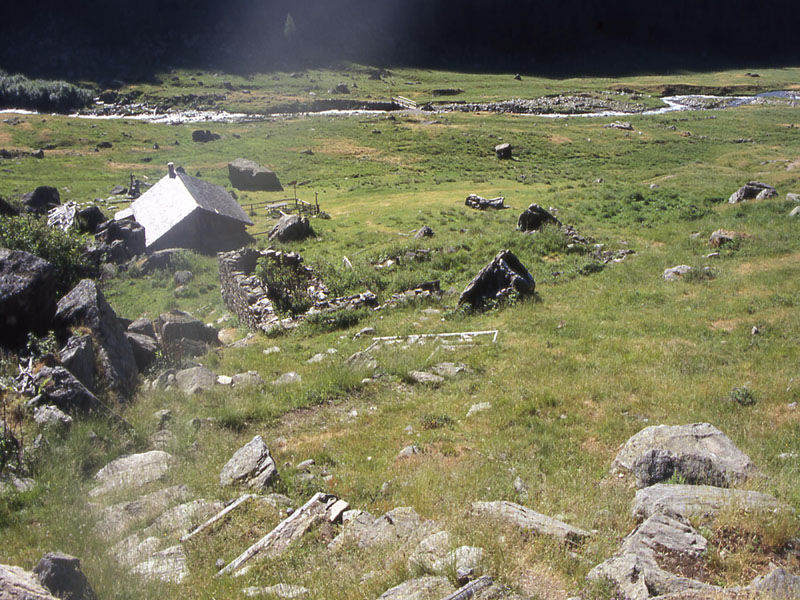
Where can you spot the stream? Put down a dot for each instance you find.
(567, 106)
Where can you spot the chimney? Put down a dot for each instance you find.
(171, 167)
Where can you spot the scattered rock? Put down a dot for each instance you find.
(504, 276)
(290, 377)
(503, 151)
(120, 241)
(479, 407)
(423, 232)
(341, 88)
(251, 378)
(449, 370)
(248, 175)
(85, 305)
(251, 465)
(795, 212)
(182, 277)
(534, 217)
(142, 326)
(115, 520)
(280, 590)
(41, 200)
(624, 125)
(753, 190)
(465, 561)
(132, 470)
(429, 551)
(408, 452)
(779, 584)
(721, 237)
(291, 228)
(480, 203)
(27, 296)
(162, 439)
(698, 453)
(89, 219)
(676, 273)
(423, 588)
(700, 501)
(400, 525)
(528, 520)
(160, 259)
(425, 378)
(77, 356)
(204, 135)
(6, 209)
(62, 575)
(50, 418)
(195, 380)
(181, 334)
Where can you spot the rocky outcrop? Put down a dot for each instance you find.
(528, 520)
(502, 277)
(700, 501)
(698, 453)
(114, 520)
(120, 241)
(423, 588)
(86, 306)
(181, 334)
(249, 175)
(131, 470)
(59, 387)
(676, 273)
(753, 190)
(400, 525)
(291, 228)
(251, 465)
(27, 296)
(77, 356)
(145, 349)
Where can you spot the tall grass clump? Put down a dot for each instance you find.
(17, 91)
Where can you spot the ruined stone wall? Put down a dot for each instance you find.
(246, 296)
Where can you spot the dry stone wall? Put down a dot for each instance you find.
(247, 296)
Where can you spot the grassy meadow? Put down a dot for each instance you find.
(600, 352)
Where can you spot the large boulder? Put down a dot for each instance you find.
(145, 349)
(291, 228)
(27, 296)
(18, 584)
(401, 525)
(89, 219)
(180, 333)
(120, 240)
(534, 217)
(62, 575)
(697, 453)
(77, 356)
(195, 380)
(251, 465)
(249, 175)
(40, 200)
(86, 306)
(59, 387)
(6, 209)
(753, 190)
(500, 278)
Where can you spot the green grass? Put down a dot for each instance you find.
(599, 354)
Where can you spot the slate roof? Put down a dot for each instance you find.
(173, 199)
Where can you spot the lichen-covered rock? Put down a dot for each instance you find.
(114, 520)
(131, 470)
(251, 465)
(195, 380)
(699, 453)
(169, 566)
(528, 520)
(778, 584)
(422, 588)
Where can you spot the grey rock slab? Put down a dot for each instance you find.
(534, 217)
(162, 439)
(700, 501)
(464, 559)
(18, 584)
(528, 520)
(479, 407)
(246, 174)
(60, 388)
(135, 549)
(145, 349)
(449, 369)
(400, 525)
(168, 566)
(421, 588)
(118, 518)
(699, 453)
(251, 465)
(675, 273)
(793, 197)
(429, 551)
(195, 380)
(778, 584)
(287, 378)
(795, 212)
(86, 305)
(142, 326)
(752, 190)
(180, 519)
(132, 470)
(61, 574)
(290, 228)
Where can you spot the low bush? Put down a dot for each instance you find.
(17, 91)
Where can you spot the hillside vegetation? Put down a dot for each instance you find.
(601, 351)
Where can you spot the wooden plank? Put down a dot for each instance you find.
(220, 515)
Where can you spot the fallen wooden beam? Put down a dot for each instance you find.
(220, 515)
(319, 507)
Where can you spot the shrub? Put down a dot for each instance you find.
(63, 250)
(287, 287)
(17, 91)
(742, 395)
